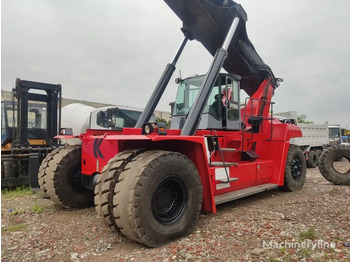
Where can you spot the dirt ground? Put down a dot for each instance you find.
(309, 225)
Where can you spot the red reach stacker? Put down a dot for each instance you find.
(151, 183)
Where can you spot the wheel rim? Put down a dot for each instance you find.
(169, 200)
(296, 168)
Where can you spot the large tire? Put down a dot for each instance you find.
(158, 198)
(312, 160)
(42, 171)
(104, 189)
(295, 172)
(63, 179)
(326, 164)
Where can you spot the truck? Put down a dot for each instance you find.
(315, 137)
(79, 117)
(151, 183)
(29, 123)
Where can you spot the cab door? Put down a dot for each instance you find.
(232, 104)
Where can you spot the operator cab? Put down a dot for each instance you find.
(222, 109)
(37, 120)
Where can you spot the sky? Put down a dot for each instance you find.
(114, 51)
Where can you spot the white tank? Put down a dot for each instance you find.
(77, 117)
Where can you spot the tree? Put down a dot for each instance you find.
(302, 119)
(164, 121)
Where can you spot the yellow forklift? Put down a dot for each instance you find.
(29, 124)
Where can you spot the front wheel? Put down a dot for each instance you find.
(104, 189)
(158, 198)
(295, 172)
(64, 181)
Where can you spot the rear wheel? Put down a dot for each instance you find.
(295, 172)
(337, 173)
(158, 197)
(64, 181)
(313, 159)
(104, 189)
(42, 171)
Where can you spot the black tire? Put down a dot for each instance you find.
(42, 172)
(295, 172)
(63, 179)
(104, 189)
(158, 198)
(326, 164)
(313, 159)
(318, 152)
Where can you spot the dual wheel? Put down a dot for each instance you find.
(152, 197)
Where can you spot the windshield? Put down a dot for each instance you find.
(189, 89)
(186, 95)
(119, 118)
(37, 115)
(333, 132)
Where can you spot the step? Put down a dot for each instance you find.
(223, 181)
(226, 149)
(222, 164)
(219, 199)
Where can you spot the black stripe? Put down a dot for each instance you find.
(98, 147)
(95, 154)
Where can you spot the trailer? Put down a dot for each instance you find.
(151, 183)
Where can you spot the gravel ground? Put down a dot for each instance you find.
(309, 225)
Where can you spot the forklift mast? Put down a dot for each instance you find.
(30, 123)
(26, 93)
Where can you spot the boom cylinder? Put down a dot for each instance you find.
(162, 84)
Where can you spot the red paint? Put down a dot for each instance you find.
(270, 144)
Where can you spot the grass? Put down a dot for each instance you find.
(16, 212)
(38, 209)
(14, 228)
(17, 192)
(308, 234)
